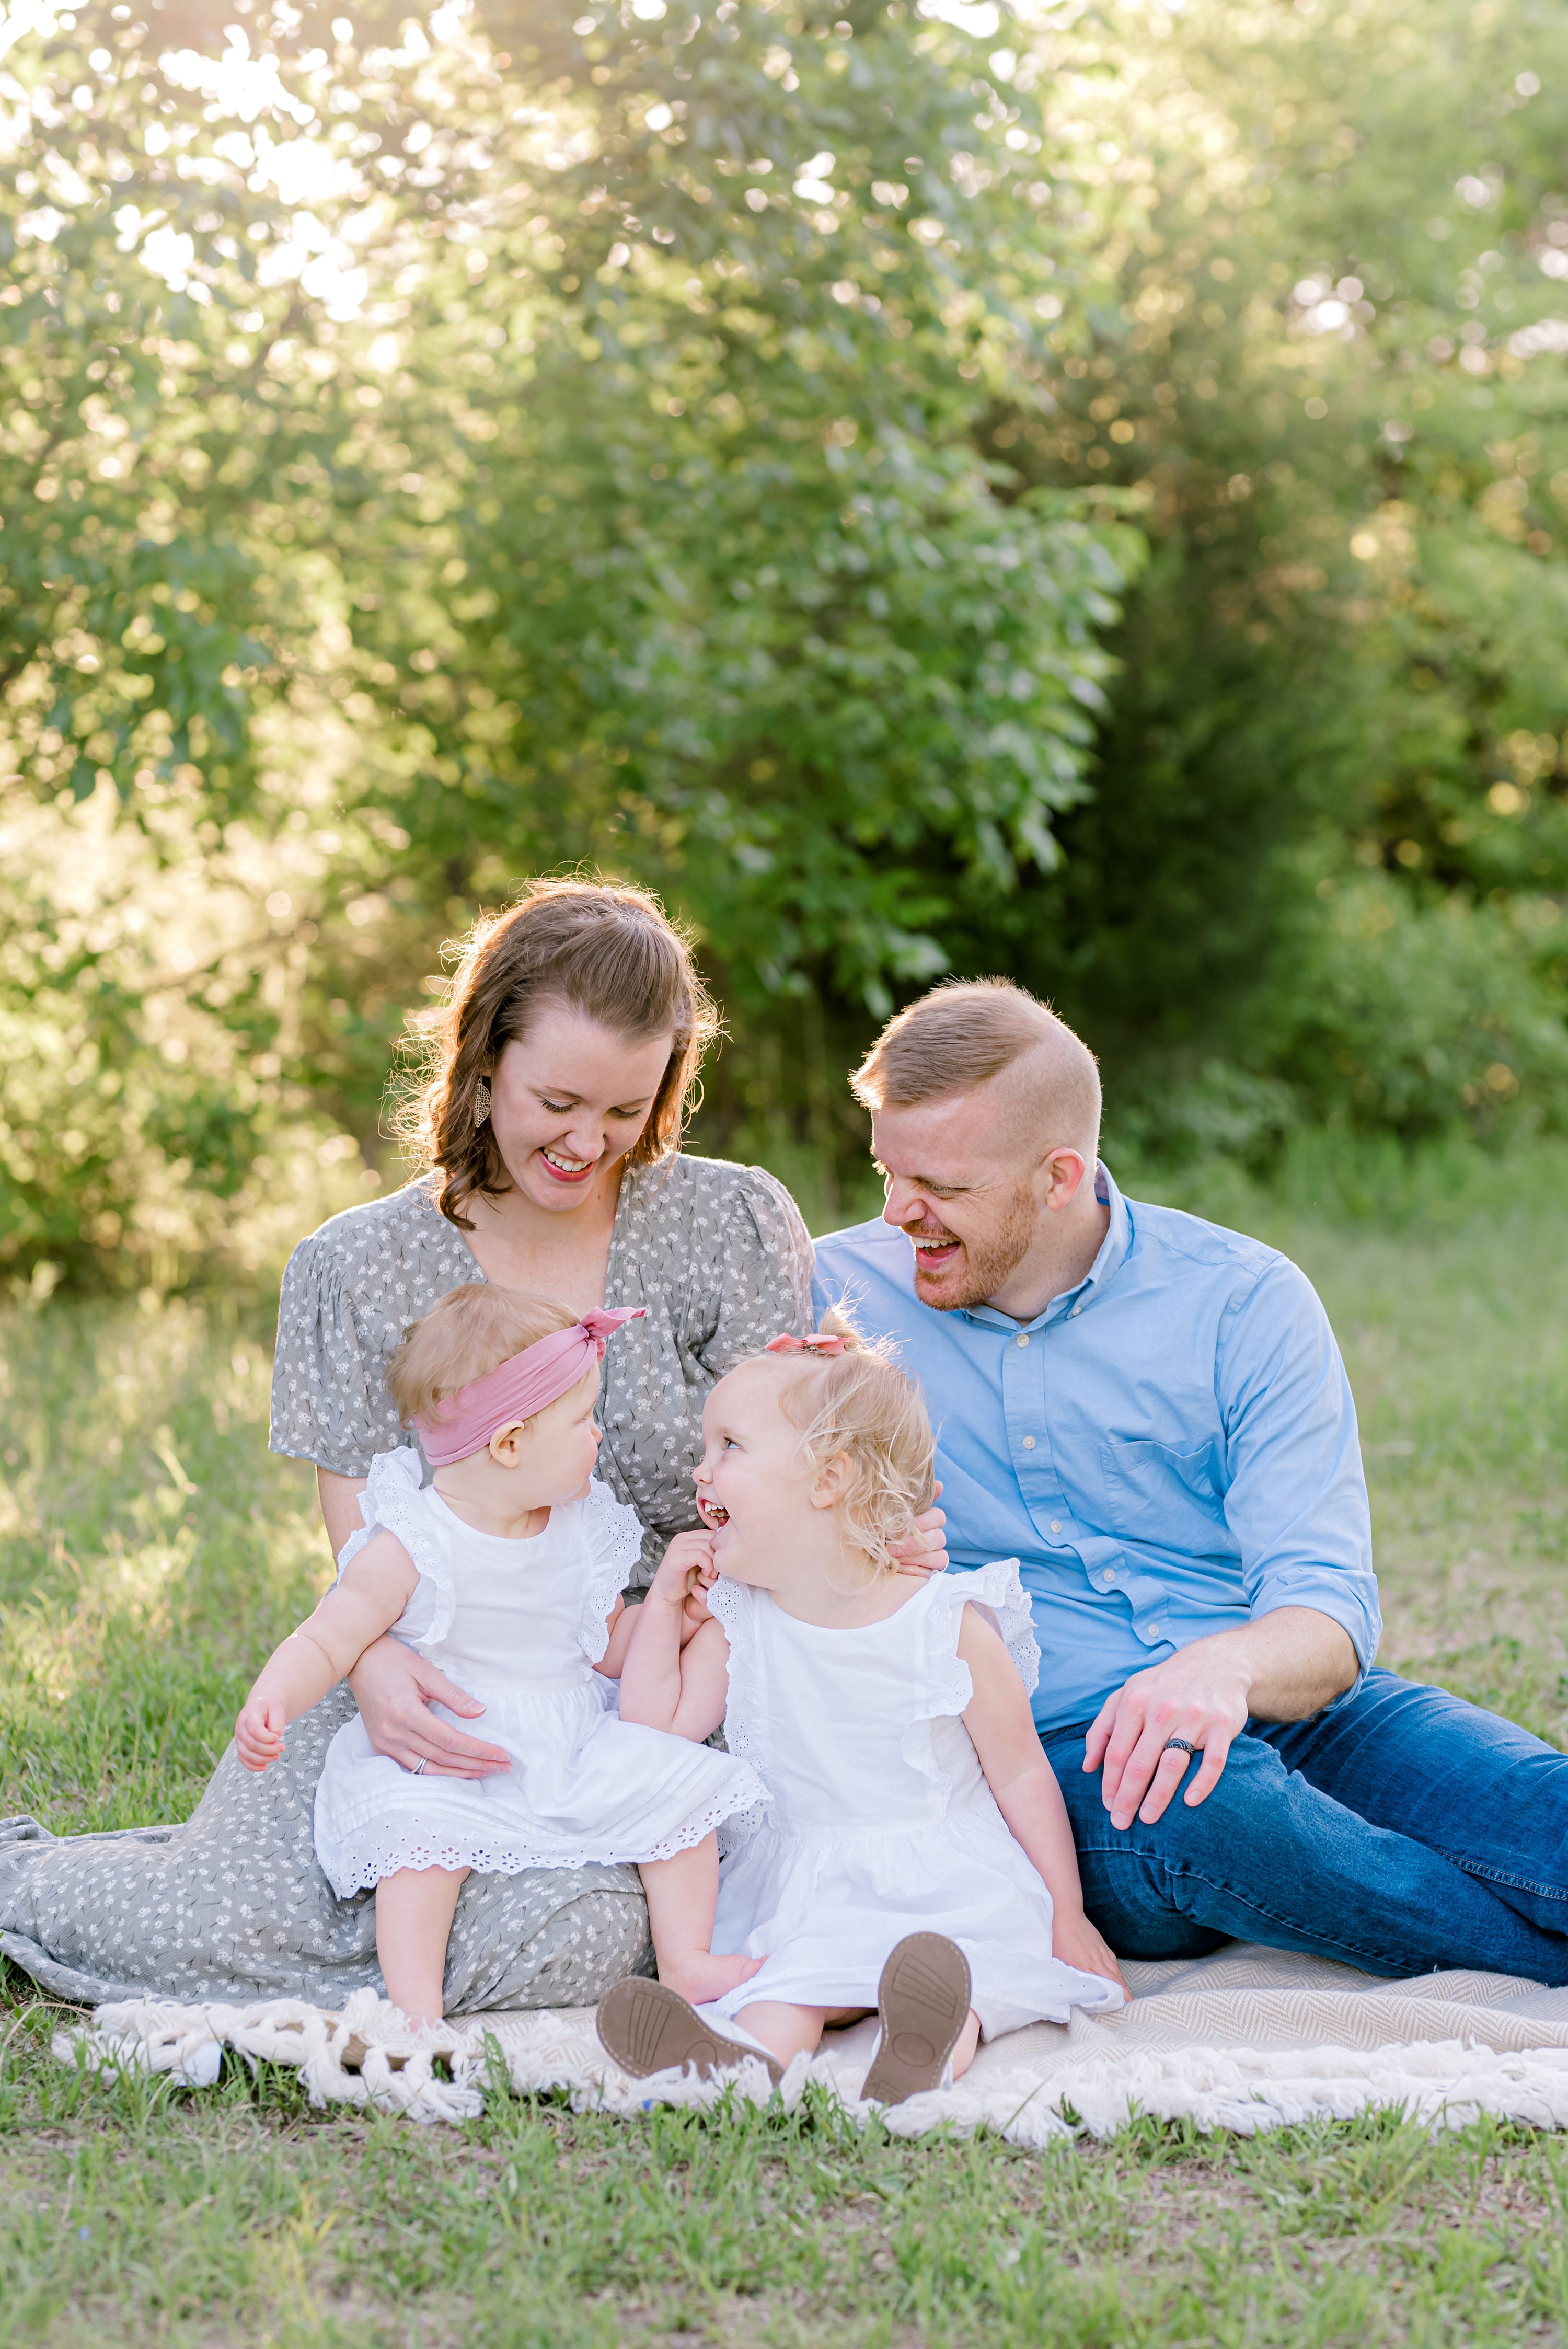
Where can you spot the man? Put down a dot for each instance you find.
(1151, 1415)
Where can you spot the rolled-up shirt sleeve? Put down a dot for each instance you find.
(1296, 1497)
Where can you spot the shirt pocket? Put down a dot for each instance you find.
(1164, 1494)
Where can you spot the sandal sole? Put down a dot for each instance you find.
(923, 2003)
(644, 2028)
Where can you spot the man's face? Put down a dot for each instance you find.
(960, 1184)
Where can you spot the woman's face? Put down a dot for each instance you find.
(568, 1100)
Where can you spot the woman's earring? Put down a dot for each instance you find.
(482, 1103)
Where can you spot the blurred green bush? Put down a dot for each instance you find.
(1079, 496)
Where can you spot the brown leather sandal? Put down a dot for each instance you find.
(923, 2001)
(644, 2028)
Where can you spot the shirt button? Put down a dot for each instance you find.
(1106, 1578)
(1056, 1525)
(1077, 1309)
(1020, 1341)
(1154, 1631)
(1028, 1443)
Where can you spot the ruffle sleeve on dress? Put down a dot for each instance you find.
(947, 1684)
(998, 1591)
(614, 1537)
(393, 1502)
(328, 1403)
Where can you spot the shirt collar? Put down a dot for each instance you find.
(1112, 1254)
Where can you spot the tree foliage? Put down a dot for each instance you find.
(719, 442)
(1328, 353)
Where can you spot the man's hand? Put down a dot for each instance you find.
(923, 1551)
(1283, 1667)
(395, 1690)
(1192, 1695)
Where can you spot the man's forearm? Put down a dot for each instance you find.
(1294, 1661)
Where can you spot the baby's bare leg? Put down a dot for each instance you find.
(414, 1912)
(682, 1893)
(787, 2031)
(968, 2041)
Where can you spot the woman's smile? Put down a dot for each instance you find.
(563, 1168)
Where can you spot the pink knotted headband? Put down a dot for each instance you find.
(816, 1341)
(465, 1421)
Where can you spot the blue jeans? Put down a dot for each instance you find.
(1401, 1831)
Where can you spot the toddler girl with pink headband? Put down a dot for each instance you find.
(506, 1571)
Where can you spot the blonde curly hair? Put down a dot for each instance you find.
(858, 1406)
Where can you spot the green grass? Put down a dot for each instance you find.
(151, 1551)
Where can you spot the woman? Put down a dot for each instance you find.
(560, 1076)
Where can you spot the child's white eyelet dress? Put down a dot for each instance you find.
(520, 1625)
(881, 1821)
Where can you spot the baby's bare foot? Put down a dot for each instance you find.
(699, 1976)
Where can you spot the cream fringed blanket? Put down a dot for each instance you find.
(1246, 2040)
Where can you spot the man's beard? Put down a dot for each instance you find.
(988, 1261)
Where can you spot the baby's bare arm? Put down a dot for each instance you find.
(663, 1683)
(1002, 1728)
(623, 1622)
(366, 1600)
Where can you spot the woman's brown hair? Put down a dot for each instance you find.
(601, 948)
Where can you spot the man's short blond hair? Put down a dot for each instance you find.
(967, 1031)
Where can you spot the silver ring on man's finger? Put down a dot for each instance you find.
(1179, 1745)
(416, 1767)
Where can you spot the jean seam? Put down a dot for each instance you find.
(1485, 1875)
(1319, 1941)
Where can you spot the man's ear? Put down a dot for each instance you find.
(829, 1488)
(1061, 1176)
(505, 1444)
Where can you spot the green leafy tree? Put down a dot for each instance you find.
(1328, 354)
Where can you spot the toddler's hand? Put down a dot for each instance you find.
(1074, 1941)
(688, 1560)
(259, 1731)
(686, 1572)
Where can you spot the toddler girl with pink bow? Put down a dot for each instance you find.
(506, 1571)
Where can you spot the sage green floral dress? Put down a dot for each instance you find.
(232, 1904)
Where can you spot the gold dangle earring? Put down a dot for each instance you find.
(482, 1103)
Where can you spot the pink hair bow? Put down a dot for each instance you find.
(465, 1421)
(816, 1341)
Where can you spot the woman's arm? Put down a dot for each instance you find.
(999, 1721)
(370, 1596)
(340, 1511)
(672, 1678)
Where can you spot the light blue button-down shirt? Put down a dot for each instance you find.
(1169, 1448)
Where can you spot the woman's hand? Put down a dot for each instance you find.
(259, 1731)
(395, 1690)
(925, 1551)
(1075, 1942)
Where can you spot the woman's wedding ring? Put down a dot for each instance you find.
(419, 1765)
(1179, 1745)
